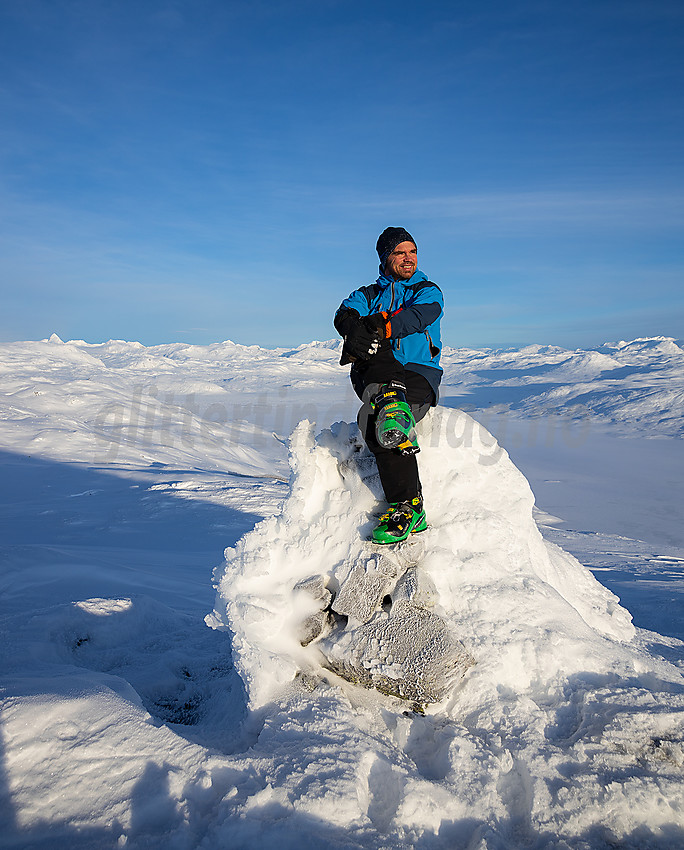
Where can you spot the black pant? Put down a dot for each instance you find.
(398, 472)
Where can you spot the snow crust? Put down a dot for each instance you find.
(127, 469)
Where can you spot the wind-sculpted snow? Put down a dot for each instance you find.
(560, 700)
(527, 611)
(128, 468)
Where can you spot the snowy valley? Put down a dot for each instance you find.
(160, 506)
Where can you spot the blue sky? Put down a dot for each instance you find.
(201, 170)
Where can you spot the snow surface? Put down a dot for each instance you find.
(127, 722)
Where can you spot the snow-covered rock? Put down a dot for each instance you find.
(523, 610)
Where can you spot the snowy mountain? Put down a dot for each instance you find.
(627, 385)
(127, 721)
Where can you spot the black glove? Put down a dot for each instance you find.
(360, 343)
(378, 323)
(346, 319)
(362, 334)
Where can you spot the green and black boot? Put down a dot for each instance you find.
(402, 519)
(395, 427)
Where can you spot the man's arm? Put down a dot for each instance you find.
(346, 319)
(425, 308)
(351, 309)
(361, 339)
(351, 323)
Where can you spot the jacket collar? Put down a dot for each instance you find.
(385, 280)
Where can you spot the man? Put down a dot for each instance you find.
(391, 333)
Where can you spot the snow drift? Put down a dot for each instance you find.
(527, 612)
(565, 732)
(123, 720)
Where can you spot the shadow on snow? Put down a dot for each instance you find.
(69, 532)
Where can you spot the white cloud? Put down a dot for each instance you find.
(610, 210)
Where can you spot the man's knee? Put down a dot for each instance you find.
(362, 417)
(370, 391)
(420, 411)
(366, 410)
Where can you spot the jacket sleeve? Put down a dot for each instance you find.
(349, 312)
(345, 319)
(422, 311)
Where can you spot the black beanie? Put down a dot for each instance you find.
(388, 241)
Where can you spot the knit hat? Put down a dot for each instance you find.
(388, 241)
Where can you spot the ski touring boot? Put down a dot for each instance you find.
(395, 427)
(402, 519)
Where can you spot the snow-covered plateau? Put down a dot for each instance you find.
(164, 510)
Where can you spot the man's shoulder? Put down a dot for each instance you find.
(363, 293)
(369, 292)
(420, 285)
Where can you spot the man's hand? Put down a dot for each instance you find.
(362, 334)
(379, 323)
(361, 342)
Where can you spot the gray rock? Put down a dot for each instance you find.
(315, 626)
(320, 622)
(417, 587)
(409, 653)
(367, 584)
(404, 648)
(316, 587)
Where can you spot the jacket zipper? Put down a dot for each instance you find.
(397, 343)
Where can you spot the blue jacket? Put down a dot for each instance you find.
(414, 309)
